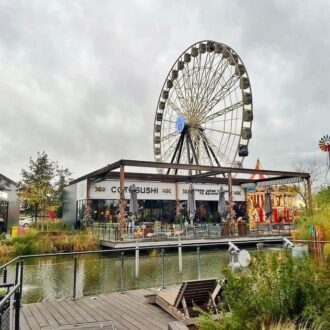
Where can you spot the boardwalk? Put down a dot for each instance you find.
(109, 311)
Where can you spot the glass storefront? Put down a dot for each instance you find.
(107, 210)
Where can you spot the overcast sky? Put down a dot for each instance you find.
(81, 79)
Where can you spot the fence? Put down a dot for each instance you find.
(73, 275)
(65, 275)
(10, 298)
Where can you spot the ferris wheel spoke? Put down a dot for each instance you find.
(179, 94)
(169, 136)
(222, 112)
(213, 146)
(213, 82)
(174, 107)
(220, 95)
(221, 131)
(217, 96)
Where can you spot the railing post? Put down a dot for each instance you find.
(198, 263)
(5, 275)
(122, 272)
(17, 308)
(163, 269)
(21, 278)
(16, 272)
(75, 262)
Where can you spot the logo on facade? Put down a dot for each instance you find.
(99, 189)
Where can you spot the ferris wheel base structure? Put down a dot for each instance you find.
(205, 111)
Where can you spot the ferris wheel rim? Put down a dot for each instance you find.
(237, 60)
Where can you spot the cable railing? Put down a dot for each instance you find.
(76, 274)
(151, 232)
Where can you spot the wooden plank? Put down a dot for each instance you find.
(86, 302)
(43, 310)
(148, 313)
(83, 312)
(23, 325)
(38, 316)
(86, 326)
(139, 321)
(33, 324)
(76, 315)
(121, 320)
(63, 311)
(177, 325)
(55, 313)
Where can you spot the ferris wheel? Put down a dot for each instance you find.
(205, 111)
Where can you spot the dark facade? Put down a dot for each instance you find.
(9, 204)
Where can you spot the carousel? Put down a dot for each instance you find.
(284, 202)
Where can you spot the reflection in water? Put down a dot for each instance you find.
(52, 277)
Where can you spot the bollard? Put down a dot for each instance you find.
(198, 263)
(122, 272)
(75, 261)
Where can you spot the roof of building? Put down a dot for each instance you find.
(207, 174)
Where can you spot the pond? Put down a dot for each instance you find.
(46, 278)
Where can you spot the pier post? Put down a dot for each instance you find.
(198, 263)
(137, 260)
(75, 261)
(163, 269)
(122, 272)
(180, 255)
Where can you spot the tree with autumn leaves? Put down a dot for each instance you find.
(41, 186)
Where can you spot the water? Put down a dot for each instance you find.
(52, 277)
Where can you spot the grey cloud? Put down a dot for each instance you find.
(81, 79)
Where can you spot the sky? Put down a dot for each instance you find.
(80, 80)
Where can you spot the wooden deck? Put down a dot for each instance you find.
(108, 311)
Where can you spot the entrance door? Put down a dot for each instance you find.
(3, 216)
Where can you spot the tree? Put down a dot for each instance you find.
(323, 197)
(315, 172)
(64, 177)
(41, 184)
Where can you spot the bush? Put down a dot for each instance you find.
(26, 244)
(319, 218)
(276, 288)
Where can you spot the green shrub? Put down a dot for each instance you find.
(276, 288)
(27, 243)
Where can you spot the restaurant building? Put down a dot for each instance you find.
(104, 194)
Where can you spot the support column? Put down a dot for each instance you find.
(230, 196)
(309, 194)
(122, 202)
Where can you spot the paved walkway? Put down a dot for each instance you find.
(109, 311)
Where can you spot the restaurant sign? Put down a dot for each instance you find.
(110, 189)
